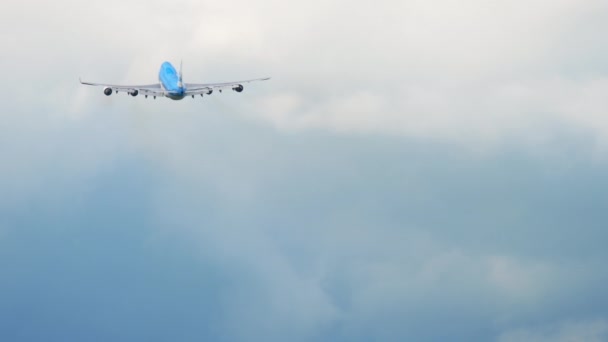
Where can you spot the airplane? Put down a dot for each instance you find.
(171, 85)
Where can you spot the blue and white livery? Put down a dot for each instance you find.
(170, 85)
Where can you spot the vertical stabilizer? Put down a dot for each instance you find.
(180, 83)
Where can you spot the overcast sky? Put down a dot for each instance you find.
(414, 171)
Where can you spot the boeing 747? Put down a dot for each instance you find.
(170, 85)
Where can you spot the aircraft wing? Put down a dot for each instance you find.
(147, 89)
(204, 88)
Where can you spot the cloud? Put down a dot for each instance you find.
(392, 238)
(476, 74)
(344, 199)
(592, 330)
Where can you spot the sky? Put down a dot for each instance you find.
(414, 171)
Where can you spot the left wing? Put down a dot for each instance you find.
(147, 89)
(207, 88)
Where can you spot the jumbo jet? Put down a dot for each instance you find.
(170, 85)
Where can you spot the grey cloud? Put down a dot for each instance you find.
(593, 330)
(393, 233)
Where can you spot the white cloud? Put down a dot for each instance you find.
(476, 72)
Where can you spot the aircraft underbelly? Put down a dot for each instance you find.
(175, 97)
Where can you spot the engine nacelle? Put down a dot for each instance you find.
(134, 92)
(209, 91)
(107, 91)
(238, 88)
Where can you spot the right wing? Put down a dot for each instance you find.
(203, 88)
(147, 89)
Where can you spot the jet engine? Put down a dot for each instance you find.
(107, 91)
(134, 93)
(209, 91)
(238, 88)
